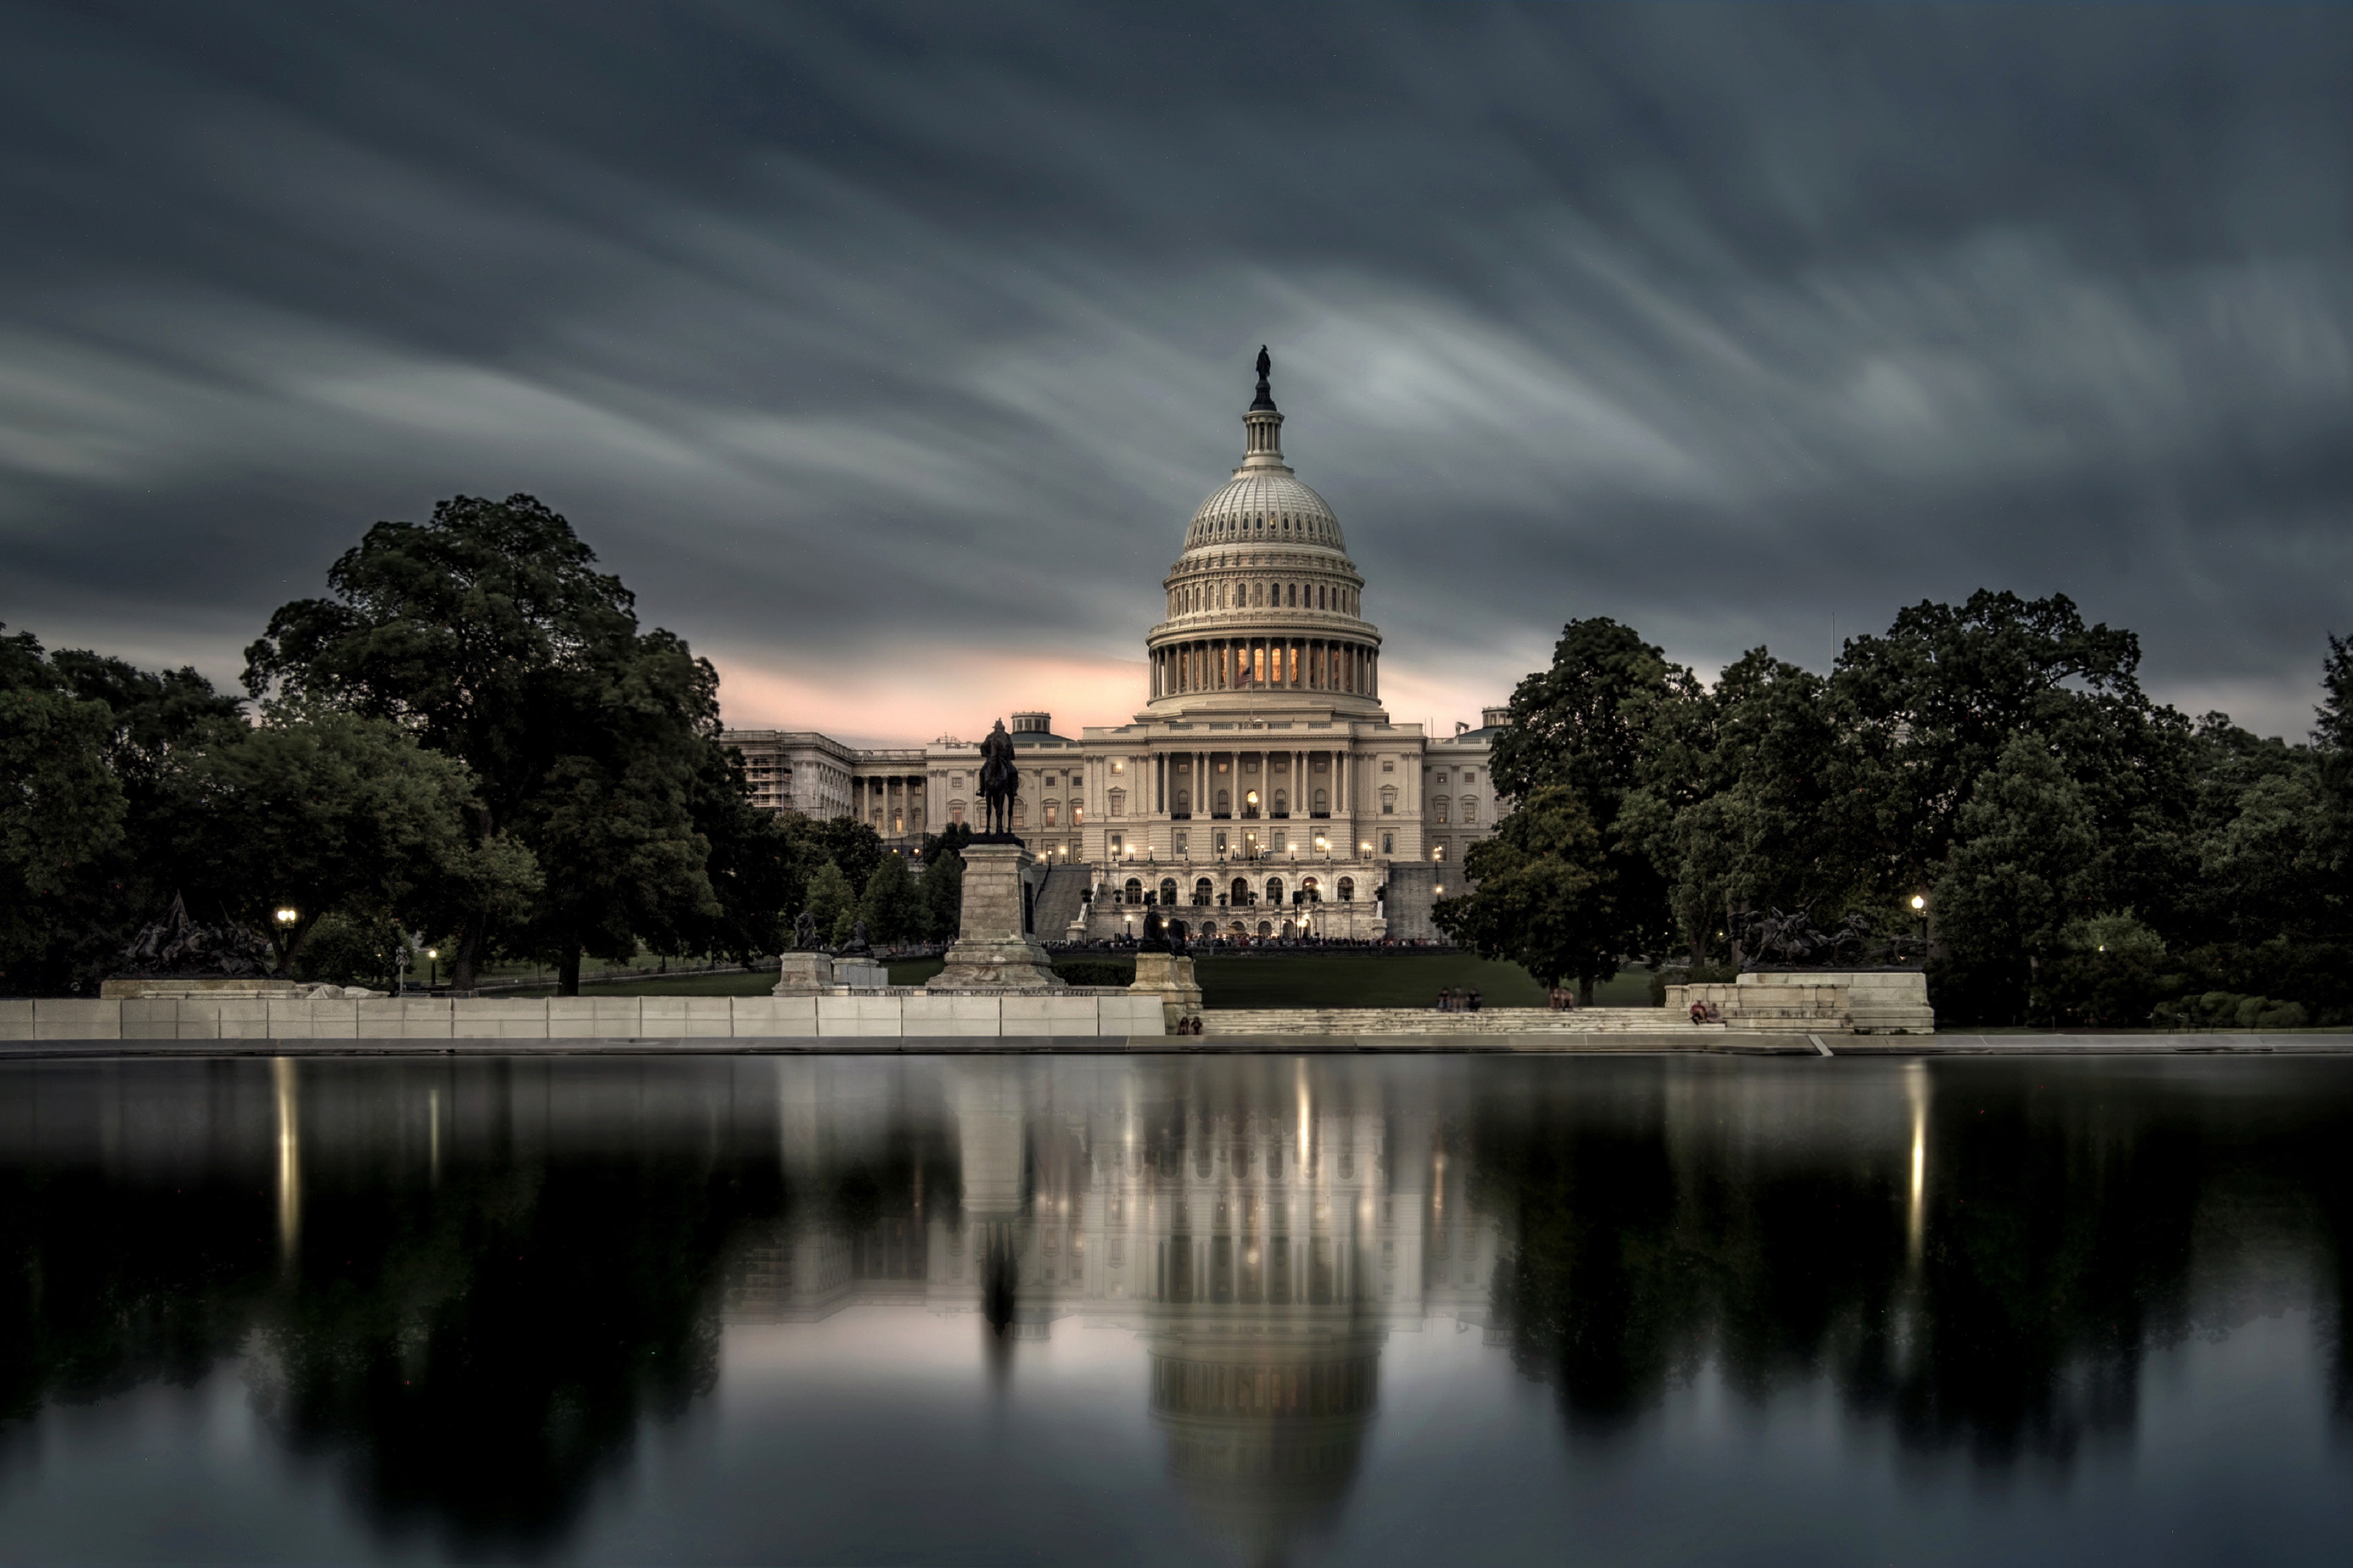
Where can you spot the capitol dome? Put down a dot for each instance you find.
(1264, 607)
(1268, 504)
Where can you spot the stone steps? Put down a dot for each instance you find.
(1058, 903)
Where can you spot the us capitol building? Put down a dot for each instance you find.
(1262, 790)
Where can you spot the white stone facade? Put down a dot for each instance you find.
(1260, 766)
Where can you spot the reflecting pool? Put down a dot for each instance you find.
(1176, 1310)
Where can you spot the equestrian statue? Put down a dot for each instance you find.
(1001, 782)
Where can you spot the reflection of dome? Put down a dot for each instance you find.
(1265, 1431)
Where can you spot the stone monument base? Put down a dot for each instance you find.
(803, 972)
(994, 947)
(866, 973)
(1169, 978)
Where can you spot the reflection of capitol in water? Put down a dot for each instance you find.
(1262, 1230)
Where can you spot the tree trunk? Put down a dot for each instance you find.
(469, 956)
(567, 972)
(1583, 991)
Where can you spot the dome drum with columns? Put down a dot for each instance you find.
(1262, 790)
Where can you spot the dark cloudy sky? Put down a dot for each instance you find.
(885, 352)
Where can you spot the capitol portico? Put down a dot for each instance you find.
(1261, 789)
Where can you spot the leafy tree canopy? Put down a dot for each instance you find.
(488, 633)
(1544, 898)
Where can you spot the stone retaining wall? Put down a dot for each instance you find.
(1318, 1021)
(896, 1011)
(1819, 1002)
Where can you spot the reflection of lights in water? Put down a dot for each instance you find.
(1915, 1088)
(1300, 1079)
(290, 1160)
(433, 1133)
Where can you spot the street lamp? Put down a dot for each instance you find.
(1920, 908)
(287, 915)
(433, 975)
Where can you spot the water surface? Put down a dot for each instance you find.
(1180, 1309)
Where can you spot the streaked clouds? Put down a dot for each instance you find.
(886, 352)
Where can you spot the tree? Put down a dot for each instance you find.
(2333, 737)
(759, 861)
(1543, 897)
(324, 811)
(832, 903)
(488, 634)
(2333, 731)
(943, 887)
(1587, 725)
(2024, 867)
(849, 844)
(71, 934)
(61, 808)
(892, 906)
(1742, 803)
(1926, 711)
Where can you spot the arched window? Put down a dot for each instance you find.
(1182, 799)
(1134, 890)
(1204, 891)
(1308, 886)
(1168, 890)
(1282, 803)
(1274, 890)
(1291, 596)
(956, 811)
(1054, 811)
(1348, 890)
(1225, 804)
(1319, 807)
(1322, 602)
(1239, 891)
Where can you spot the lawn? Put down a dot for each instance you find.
(1257, 980)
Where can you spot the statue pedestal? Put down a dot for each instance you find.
(995, 948)
(804, 973)
(864, 971)
(1169, 978)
